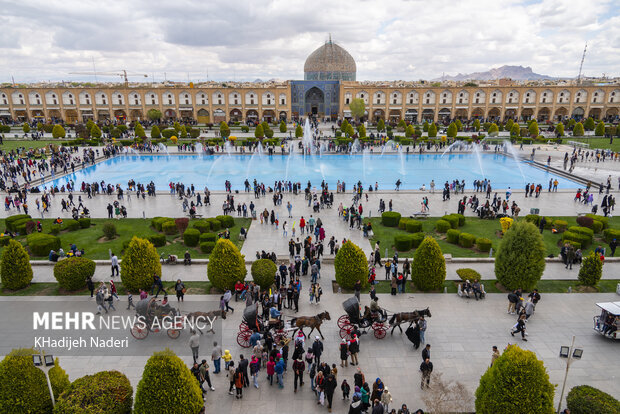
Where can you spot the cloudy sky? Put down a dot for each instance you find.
(44, 40)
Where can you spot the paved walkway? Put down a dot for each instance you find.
(460, 331)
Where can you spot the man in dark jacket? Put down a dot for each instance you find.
(298, 368)
(426, 352)
(513, 299)
(330, 386)
(243, 367)
(426, 368)
(317, 350)
(541, 225)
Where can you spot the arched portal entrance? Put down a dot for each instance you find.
(315, 102)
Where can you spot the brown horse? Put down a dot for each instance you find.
(399, 318)
(313, 322)
(205, 317)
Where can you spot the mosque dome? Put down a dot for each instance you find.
(330, 62)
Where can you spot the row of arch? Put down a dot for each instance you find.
(68, 98)
(495, 113)
(480, 97)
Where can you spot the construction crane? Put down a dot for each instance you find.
(123, 74)
(581, 66)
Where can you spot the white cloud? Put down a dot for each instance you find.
(243, 39)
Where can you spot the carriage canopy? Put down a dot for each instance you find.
(249, 314)
(352, 308)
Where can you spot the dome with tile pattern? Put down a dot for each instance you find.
(330, 62)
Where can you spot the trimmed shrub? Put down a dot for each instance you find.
(23, 388)
(109, 230)
(15, 269)
(40, 244)
(71, 273)
(104, 392)
(442, 226)
(157, 222)
(575, 237)
(158, 240)
(468, 274)
(72, 225)
(226, 221)
(428, 270)
(483, 244)
(467, 240)
(59, 379)
(597, 226)
(226, 265)
(191, 237)
(560, 225)
(591, 270)
(413, 226)
(576, 245)
(208, 237)
(84, 222)
(520, 259)
(416, 239)
(55, 229)
(169, 227)
(530, 391)
(585, 221)
(181, 224)
(390, 218)
(461, 219)
(610, 234)
(584, 231)
(549, 223)
(10, 221)
(167, 386)
(215, 224)
(4, 240)
(402, 242)
(533, 218)
(453, 220)
(207, 247)
(585, 399)
(602, 219)
(453, 236)
(20, 225)
(402, 223)
(264, 273)
(140, 262)
(202, 226)
(350, 265)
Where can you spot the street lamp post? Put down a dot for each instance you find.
(570, 353)
(45, 364)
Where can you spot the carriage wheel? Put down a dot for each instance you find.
(346, 331)
(139, 332)
(379, 330)
(243, 338)
(174, 333)
(343, 321)
(243, 327)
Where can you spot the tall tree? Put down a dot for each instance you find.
(282, 126)
(533, 128)
(578, 130)
(224, 130)
(299, 132)
(600, 129)
(476, 124)
(559, 129)
(452, 130)
(432, 130)
(358, 107)
(154, 114)
(380, 125)
(589, 124)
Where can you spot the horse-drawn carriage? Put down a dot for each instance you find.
(375, 320)
(253, 323)
(608, 322)
(153, 317)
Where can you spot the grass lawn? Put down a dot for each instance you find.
(28, 144)
(477, 227)
(600, 143)
(52, 289)
(97, 247)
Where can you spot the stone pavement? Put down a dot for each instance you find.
(461, 333)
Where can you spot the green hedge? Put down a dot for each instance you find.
(20, 226)
(576, 237)
(208, 237)
(226, 265)
(466, 240)
(483, 244)
(72, 225)
(140, 262)
(157, 222)
(428, 270)
(4, 240)
(104, 392)
(158, 240)
(468, 274)
(15, 269)
(453, 236)
(602, 219)
(23, 388)
(169, 228)
(109, 230)
(416, 239)
(587, 233)
(350, 265)
(442, 226)
(413, 226)
(533, 218)
(10, 221)
(585, 399)
(585, 221)
(71, 273)
(452, 219)
(191, 237)
(40, 244)
(597, 226)
(560, 225)
(84, 222)
(402, 223)
(207, 247)
(264, 272)
(610, 234)
(390, 218)
(402, 242)
(215, 224)
(226, 221)
(202, 226)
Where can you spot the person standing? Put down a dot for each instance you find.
(495, 355)
(513, 299)
(344, 353)
(179, 289)
(358, 288)
(271, 365)
(216, 357)
(254, 369)
(426, 368)
(279, 370)
(298, 368)
(204, 374)
(227, 298)
(613, 245)
(354, 348)
(570, 257)
(422, 324)
(194, 344)
(90, 285)
(114, 263)
(426, 352)
(329, 387)
(317, 349)
(243, 367)
(240, 379)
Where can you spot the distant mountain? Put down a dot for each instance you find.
(506, 71)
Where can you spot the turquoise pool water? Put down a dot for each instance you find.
(413, 170)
